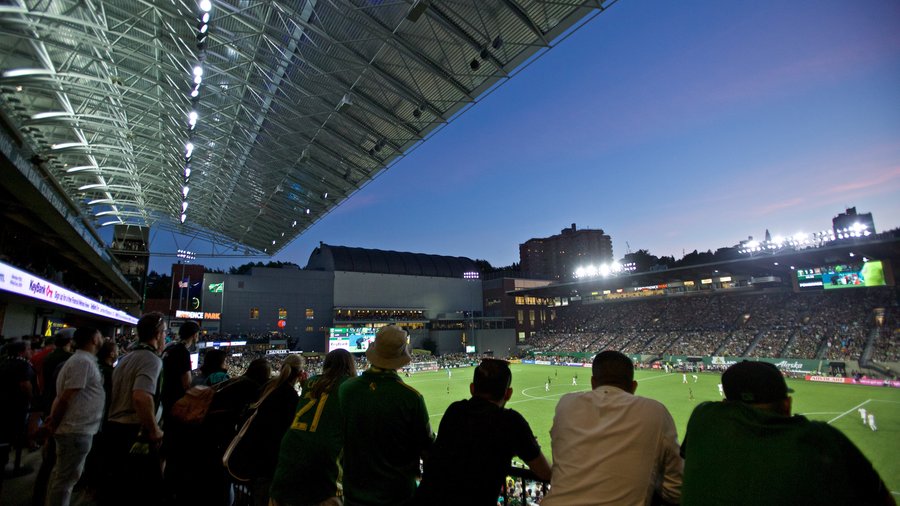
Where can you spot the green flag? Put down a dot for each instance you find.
(217, 287)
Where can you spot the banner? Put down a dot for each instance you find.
(217, 287)
(828, 379)
(24, 283)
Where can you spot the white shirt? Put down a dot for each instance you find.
(85, 411)
(612, 447)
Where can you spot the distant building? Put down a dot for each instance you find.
(557, 257)
(531, 313)
(851, 222)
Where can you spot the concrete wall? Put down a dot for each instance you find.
(435, 295)
(501, 341)
(270, 289)
(18, 321)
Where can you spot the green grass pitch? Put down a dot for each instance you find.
(836, 404)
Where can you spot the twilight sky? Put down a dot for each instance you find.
(670, 125)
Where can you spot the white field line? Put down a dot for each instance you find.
(845, 413)
(820, 413)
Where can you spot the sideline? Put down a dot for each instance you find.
(854, 408)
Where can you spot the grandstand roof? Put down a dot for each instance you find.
(299, 103)
(342, 258)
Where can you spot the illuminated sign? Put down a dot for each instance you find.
(277, 352)
(705, 281)
(22, 283)
(725, 279)
(198, 315)
(220, 344)
(688, 283)
(217, 287)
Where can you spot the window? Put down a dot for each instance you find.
(520, 301)
(240, 284)
(254, 313)
(282, 313)
(531, 317)
(531, 301)
(310, 314)
(309, 328)
(521, 316)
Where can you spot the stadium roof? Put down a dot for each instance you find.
(342, 258)
(259, 116)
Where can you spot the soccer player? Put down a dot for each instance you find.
(575, 380)
(872, 422)
(695, 377)
(683, 378)
(547, 386)
(721, 391)
(862, 413)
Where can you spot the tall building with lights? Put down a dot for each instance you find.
(558, 256)
(852, 224)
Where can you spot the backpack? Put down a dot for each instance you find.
(193, 406)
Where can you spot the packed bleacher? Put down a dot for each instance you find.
(826, 325)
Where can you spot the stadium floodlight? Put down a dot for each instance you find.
(185, 190)
(187, 172)
(205, 5)
(273, 243)
(184, 206)
(192, 118)
(82, 168)
(205, 17)
(183, 217)
(198, 79)
(91, 186)
(604, 270)
(47, 115)
(66, 145)
(198, 70)
(26, 72)
(294, 224)
(188, 149)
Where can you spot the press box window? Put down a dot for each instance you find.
(254, 313)
(310, 314)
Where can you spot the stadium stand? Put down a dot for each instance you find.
(825, 325)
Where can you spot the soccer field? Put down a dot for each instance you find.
(835, 404)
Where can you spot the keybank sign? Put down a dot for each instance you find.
(38, 288)
(23, 283)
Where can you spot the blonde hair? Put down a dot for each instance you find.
(290, 371)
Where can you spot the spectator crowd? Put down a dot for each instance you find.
(835, 325)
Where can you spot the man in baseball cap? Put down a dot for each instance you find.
(757, 383)
(748, 449)
(386, 427)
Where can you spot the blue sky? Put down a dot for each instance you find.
(670, 125)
